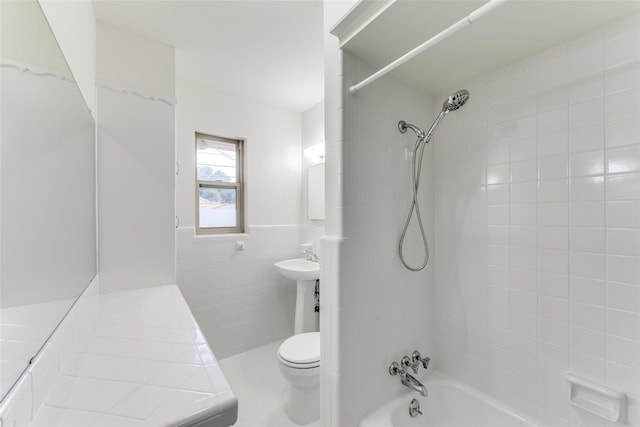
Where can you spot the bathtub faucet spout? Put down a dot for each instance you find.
(407, 379)
(410, 381)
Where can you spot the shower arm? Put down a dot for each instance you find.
(403, 126)
(423, 137)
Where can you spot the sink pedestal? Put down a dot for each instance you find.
(305, 273)
(306, 319)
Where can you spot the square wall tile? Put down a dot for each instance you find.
(588, 342)
(587, 163)
(623, 324)
(587, 138)
(588, 316)
(589, 265)
(553, 308)
(588, 291)
(623, 351)
(622, 78)
(553, 167)
(622, 132)
(623, 159)
(623, 296)
(587, 239)
(587, 113)
(623, 104)
(587, 214)
(623, 269)
(623, 241)
(587, 189)
(623, 214)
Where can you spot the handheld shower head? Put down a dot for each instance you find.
(452, 103)
(456, 100)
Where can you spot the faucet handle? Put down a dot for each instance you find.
(394, 369)
(416, 358)
(406, 363)
(414, 408)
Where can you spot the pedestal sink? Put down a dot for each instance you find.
(305, 273)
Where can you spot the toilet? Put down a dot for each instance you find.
(299, 358)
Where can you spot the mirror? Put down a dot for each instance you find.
(315, 193)
(47, 188)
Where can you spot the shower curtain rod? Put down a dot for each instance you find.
(469, 19)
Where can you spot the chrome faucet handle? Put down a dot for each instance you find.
(414, 408)
(394, 369)
(406, 363)
(310, 255)
(416, 358)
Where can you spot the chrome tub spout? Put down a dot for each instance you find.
(410, 381)
(406, 378)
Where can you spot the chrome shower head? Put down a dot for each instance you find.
(456, 100)
(452, 103)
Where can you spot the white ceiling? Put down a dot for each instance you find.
(267, 50)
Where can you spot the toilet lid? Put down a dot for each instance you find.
(301, 348)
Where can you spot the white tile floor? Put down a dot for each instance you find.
(257, 383)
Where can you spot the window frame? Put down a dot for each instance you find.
(239, 186)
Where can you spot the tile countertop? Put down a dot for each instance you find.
(145, 364)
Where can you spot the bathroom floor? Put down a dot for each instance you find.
(256, 380)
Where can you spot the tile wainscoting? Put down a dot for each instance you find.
(237, 296)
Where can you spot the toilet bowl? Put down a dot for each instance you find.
(299, 358)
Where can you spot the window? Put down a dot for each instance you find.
(219, 185)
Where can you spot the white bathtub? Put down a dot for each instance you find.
(450, 403)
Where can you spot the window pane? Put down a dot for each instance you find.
(218, 207)
(216, 160)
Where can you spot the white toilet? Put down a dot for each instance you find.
(299, 358)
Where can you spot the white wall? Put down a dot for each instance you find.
(273, 152)
(538, 230)
(135, 63)
(386, 311)
(237, 297)
(74, 25)
(136, 161)
(27, 37)
(313, 125)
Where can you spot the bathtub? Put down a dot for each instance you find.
(450, 403)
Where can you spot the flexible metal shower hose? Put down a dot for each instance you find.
(415, 206)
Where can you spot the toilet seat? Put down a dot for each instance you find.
(301, 351)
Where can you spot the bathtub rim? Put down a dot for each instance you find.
(383, 414)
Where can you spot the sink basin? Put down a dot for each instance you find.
(299, 269)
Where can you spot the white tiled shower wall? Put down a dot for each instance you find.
(385, 311)
(237, 297)
(538, 227)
